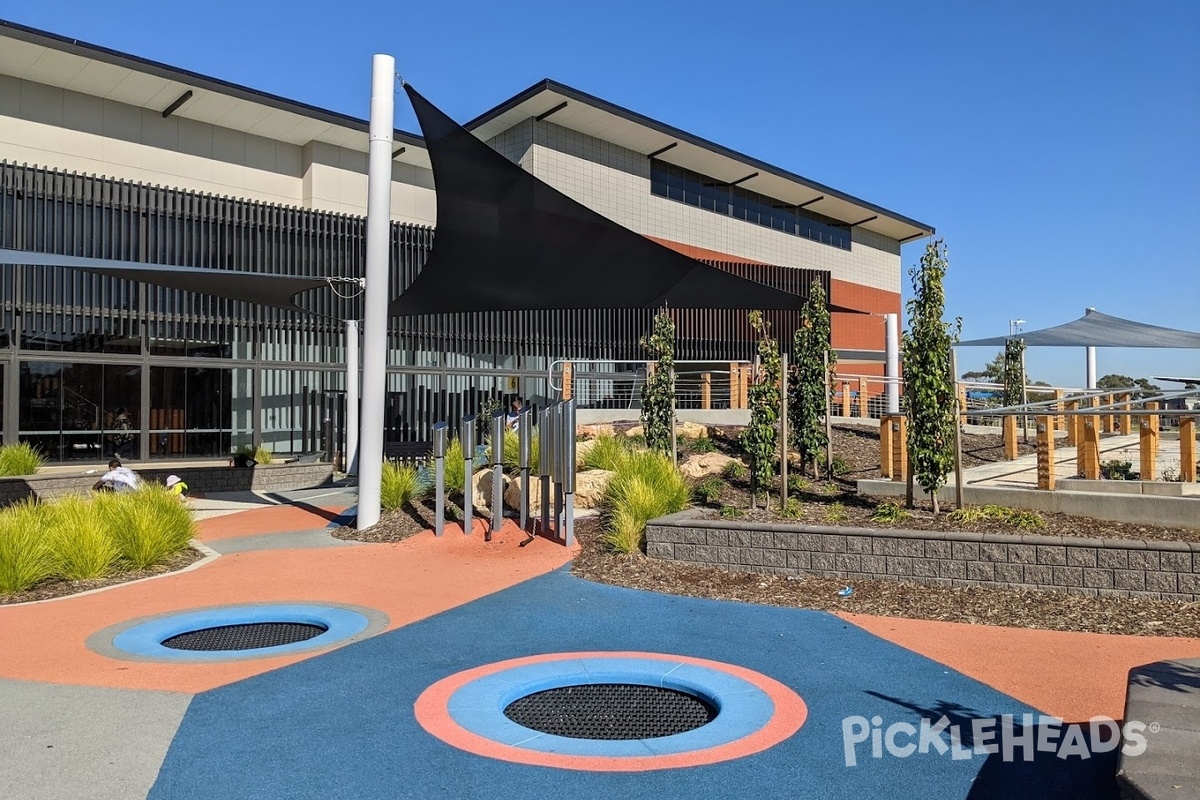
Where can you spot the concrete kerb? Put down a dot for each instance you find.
(1183, 512)
(1164, 696)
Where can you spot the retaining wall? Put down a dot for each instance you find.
(1112, 567)
(206, 480)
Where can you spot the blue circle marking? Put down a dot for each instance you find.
(742, 708)
(147, 638)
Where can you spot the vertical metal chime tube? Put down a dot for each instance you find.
(892, 365)
(545, 448)
(559, 466)
(351, 397)
(524, 440)
(468, 447)
(497, 474)
(375, 301)
(439, 478)
(568, 472)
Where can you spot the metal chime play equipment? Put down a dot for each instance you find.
(556, 472)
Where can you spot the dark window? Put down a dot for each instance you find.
(684, 186)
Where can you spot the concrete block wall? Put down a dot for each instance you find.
(616, 182)
(1110, 567)
(208, 480)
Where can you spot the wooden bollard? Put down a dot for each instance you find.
(1148, 444)
(899, 448)
(1045, 453)
(962, 404)
(1187, 449)
(846, 398)
(1009, 426)
(744, 378)
(1087, 456)
(1125, 421)
(734, 373)
(706, 390)
(1106, 421)
(568, 375)
(885, 446)
(862, 397)
(1071, 426)
(1059, 420)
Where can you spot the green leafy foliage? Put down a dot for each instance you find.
(761, 437)
(808, 402)
(835, 512)
(83, 548)
(701, 444)
(20, 459)
(608, 452)
(888, 512)
(25, 556)
(929, 383)
(658, 392)
(1014, 372)
(731, 512)
(456, 468)
(262, 455)
(645, 485)
(792, 509)
(148, 526)
(709, 490)
(1116, 470)
(734, 471)
(797, 483)
(401, 486)
(1018, 518)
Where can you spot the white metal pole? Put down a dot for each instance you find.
(379, 217)
(352, 396)
(892, 366)
(1091, 368)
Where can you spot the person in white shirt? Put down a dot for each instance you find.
(117, 479)
(513, 418)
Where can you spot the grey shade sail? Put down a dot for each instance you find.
(1098, 330)
(277, 291)
(506, 241)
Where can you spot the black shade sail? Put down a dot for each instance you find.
(278, 291)
(506, 241)
(1098, 330)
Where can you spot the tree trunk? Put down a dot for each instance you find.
(934, 497)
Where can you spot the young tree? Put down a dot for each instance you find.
(658, 392)
(1014, 372)
(929, 384)
(808, 402)
(761, 437)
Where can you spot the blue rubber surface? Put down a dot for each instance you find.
(146, 639)
(341, 725)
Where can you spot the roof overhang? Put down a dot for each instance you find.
(579, 111)
(69, 64)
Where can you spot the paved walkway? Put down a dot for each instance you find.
(83, 722)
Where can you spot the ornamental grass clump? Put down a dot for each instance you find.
(262, 455)
(402, 485)
(456, 468)
(148, 526)
(20, 459)
(644, 486)
(608, 452)
(25, 556)
(81, 546)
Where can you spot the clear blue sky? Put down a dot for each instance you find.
(1054, 145)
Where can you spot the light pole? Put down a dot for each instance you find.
(1014, 326)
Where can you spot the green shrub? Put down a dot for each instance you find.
(1116, 470)
(734, 471)
(456, 468)
(608, 453)
(792, 509)
(701, 444)
(888, 512)
(262, 455)
(709, 490)
(401, 486)
(645, 485)
(797, 483)
(148, 526)
(1026, 520)
(25, 556)
(512, 452)
(20, 459)
(731, 511)
(1009, 516)
(837, 467)
(835, 512)
(82, 547)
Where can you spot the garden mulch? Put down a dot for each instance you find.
(59, 587)
(401, 523)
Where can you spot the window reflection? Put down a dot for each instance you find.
(684, 186)
(80, 411)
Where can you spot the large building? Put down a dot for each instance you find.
(107, 155)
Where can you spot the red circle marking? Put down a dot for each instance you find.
(432, 713)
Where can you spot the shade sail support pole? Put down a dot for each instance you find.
(352, 396)
(893, 363)
(375, 294)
